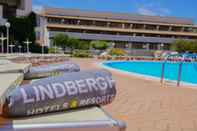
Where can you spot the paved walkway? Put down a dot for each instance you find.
(147, 106)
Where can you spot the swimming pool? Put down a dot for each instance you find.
(154, 69)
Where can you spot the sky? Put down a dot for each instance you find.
(177, 8)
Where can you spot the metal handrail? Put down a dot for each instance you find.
(179, 72)
(162, 72)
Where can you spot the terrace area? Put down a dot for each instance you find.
(146, 105)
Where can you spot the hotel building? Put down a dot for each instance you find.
(136, 32)
(9, 8)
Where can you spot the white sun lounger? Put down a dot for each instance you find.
(14, 68)
(87, 119)
(8, 81)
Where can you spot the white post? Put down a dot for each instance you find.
(42, 49)
(162, 46)
(2, 38)
(130, 48)
(7, 24)
(27, 42)
(11, 48)
(147, 46)
(55, 49)
(19, 48)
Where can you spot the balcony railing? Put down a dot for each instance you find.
(141, 27)
(141, 31)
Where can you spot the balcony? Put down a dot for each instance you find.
(117, 25)
(113, 29)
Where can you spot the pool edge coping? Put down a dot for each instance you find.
(146, 77)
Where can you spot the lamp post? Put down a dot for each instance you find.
(2, 38)
(11, 48)
(144, 46)
(7, 25)
(27, 42)
(55, 49)
(162, 45)
(42, 49)
(113, 45)
(19, 47)
(129, 46)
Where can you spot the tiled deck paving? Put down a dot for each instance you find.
(146, 106)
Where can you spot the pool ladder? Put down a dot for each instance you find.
(179, 73)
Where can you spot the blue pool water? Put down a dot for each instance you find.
(153, 69)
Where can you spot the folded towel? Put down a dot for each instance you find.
(51, 70)
(71, 90)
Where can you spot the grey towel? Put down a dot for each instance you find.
(51, 70)
(71, 90)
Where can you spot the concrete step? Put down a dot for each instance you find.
(6, 67)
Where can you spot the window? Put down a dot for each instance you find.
(8, 11)
(38, 35)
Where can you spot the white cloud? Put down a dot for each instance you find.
(164, 11)
(37, 8)
(145, 11)
(153, 9)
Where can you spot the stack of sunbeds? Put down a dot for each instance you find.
(59, 97)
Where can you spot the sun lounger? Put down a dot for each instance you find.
(86, 119)
(7, 82)
(51, 70)
(71, 90)
(14, 68)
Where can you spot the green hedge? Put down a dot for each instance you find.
(117, 52)
(182, 46)
(81, 53)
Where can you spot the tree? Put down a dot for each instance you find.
(73, 43)
(23, 28)
(99, 45)
(182, 46)
(84, 45)
(61, 40)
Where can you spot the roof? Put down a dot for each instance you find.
(86, 36)
(116, 16)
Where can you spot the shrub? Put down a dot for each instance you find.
(182, 46)
(64, 41)
(99, 45)
(36, 48)
(61, 40)
(52, 50)
(73, 43)
(81, 53)
(117, 52)
(23, 28)
(84, 45)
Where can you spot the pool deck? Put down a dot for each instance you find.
(146, 105)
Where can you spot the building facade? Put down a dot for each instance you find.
(9, 8)
(125, 30)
